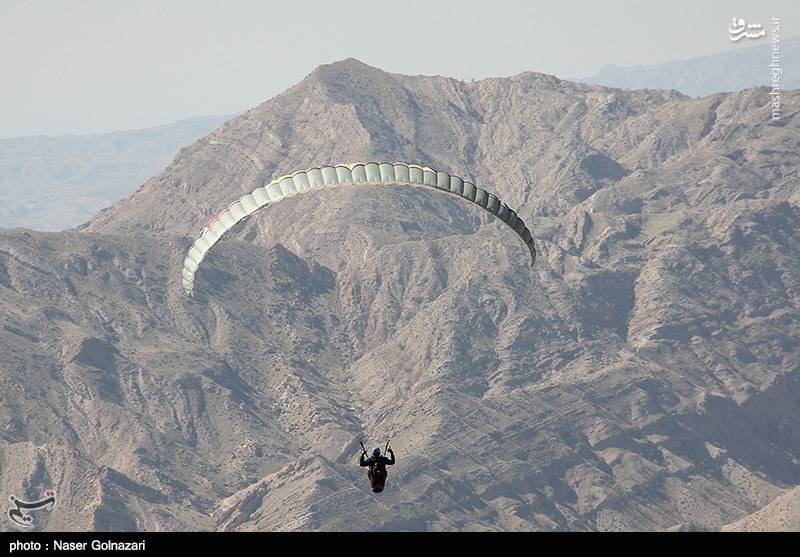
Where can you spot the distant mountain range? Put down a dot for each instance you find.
(644, 375)
(38, 173)
(697, 77)
(93, 171)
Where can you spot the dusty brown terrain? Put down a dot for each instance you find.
(644, 375)
(779, 515)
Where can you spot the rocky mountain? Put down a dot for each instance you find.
(644, 375)
(733, 70)
(37, 173)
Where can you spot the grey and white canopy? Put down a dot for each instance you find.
(357, 173)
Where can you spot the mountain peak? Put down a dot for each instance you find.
(345, 67)
(348, 63)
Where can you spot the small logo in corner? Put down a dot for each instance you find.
(19, 514)
(741, 30)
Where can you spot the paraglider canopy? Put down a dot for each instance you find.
(356, 173)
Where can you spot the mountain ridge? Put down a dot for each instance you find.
(726, 71)
(643, 375)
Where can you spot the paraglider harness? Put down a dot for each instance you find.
(377, 467)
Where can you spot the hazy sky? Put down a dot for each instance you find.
(87, 66)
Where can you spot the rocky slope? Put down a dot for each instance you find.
(781, 514)
(644, 375)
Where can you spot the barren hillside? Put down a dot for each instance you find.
(644, 375)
